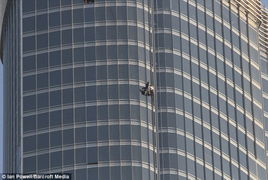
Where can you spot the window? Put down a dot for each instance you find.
(54, 19)
(55, 78)
(54, 38)
(114, 132)
(42, 60)
(93, 173)
(68, 116)
(29, 103)
(90, 54)
(42, 100)
(43, 162)
(101, 52)
(92, 134)
(127, 172)
(133, 72)
(125, 152)
(68, 157)
(125, 132)
(28, 5)
(79, 54)
(103, 133)
(111, 32)
(90, 34)
(78, 16)
(67, 76)
(80, 135)
(68, 137)
(115, 173)
(56, 159)
(102, 92)
(89, 15)
(67, 96)
(80, 114)
(133, 51)
(41, 4)
(100, 33)
(135, 113)
(43, 141)
(55, 118)
(112, 72)
(122, 32)
(78, 35)
(42, 80)
(91, 114)
(123, 72)
(81, 174)
(113, 92)
(124, 111)
(66, 17)
(136, 153)
(29, 144)
(29, 123)
(111, 13)
(29, 43)
(102, 112)
(56, 139)
(104, 154)
(29, 83)
(29, 164)
(134, 93)
(55, 98)
(28, 63)
(42, 121)
(79, 74)
(29, 24)
(91, 93)
(92, 155)
(80, 155)
(100, 14)
(88, 1)
(66, 36)
(42, 22)
(54, 3)
(124, 91)
(55, 58)
(42, 41)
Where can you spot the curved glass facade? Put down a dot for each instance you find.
(83, 65)
(209, 91)
(75, 102)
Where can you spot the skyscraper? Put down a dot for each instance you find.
(74, 75)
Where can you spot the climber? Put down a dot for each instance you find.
(87, 1)
(148, 90)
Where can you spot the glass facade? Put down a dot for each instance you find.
(73, 71)
(83, 65)
(209, 91)
(264, 71)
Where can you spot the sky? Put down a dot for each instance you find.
(265, 2)
(1, 117)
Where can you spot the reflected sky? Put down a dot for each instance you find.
(265, 2)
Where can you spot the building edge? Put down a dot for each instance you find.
(3, 5)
